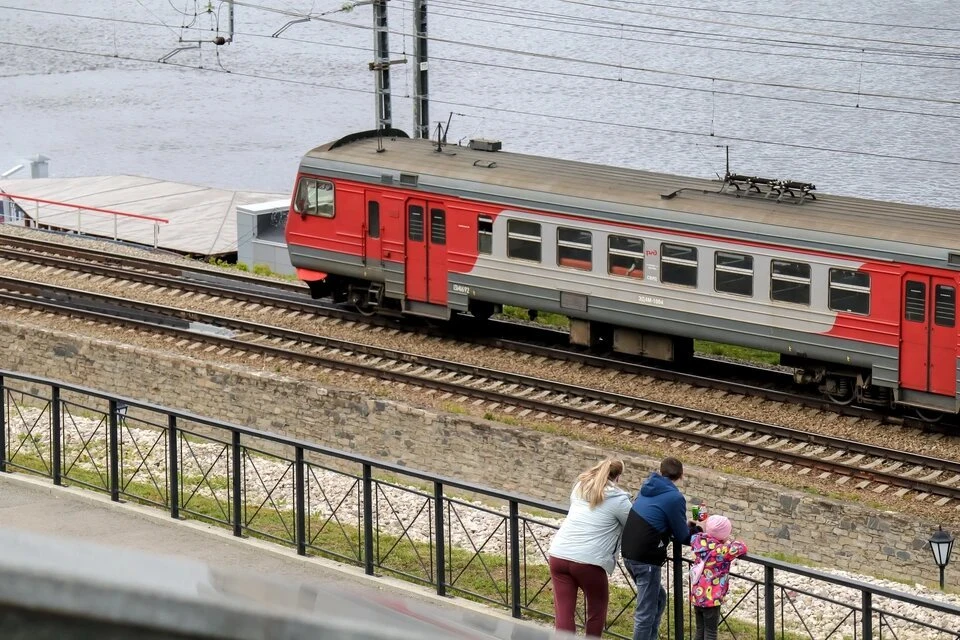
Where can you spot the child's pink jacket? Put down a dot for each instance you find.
(711, 587)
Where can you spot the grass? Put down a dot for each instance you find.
(735, 352)
(700, 346)
(543, 317)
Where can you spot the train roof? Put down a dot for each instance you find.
(884, 230)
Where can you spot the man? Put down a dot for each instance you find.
(658, 513)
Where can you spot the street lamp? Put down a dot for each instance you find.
(941, 544)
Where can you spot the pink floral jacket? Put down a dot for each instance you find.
(709, 585)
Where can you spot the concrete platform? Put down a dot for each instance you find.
(34, 505)
(202, 221)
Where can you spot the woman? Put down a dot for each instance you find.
(584, 551)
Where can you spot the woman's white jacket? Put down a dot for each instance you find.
(592, 536)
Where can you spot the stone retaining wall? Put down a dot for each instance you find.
(541, 465)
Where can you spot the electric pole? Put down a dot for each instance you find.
(381, 64)
(421, 110)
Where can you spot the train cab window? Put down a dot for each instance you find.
(485, 234)
(574, 249)
(849, 291)
(415, 223)
(314, 198)
(523, 240)
(790, 282)
(373, 219)
(734, 273)
(945, 306)
(625, 257)
(438, 226)
(915, 301)
(678, 265)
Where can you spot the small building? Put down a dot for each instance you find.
(260, 239)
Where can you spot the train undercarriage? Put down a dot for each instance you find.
(840, 385)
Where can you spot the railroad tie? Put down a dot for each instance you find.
(951, 481)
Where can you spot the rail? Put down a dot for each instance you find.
(80, 209)
(458, 537)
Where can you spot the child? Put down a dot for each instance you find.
(710, 573)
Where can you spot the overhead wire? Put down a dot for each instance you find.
(781, 16)
(637, 127)
(689, 45)
(567, 59)
(599, 63)
(631, 10)
(619, 79)
(617, 28)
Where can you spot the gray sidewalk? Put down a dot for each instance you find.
(32, 504)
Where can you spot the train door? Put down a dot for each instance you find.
(426, 256)
(928, 334)
(372, 256)
(437, 255)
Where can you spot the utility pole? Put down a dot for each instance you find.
(421, 107)
(381, 64)
(230, 20)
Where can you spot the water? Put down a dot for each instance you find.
(104, 115)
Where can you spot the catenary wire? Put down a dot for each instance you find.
(584, 3)
(637, 127)
(609, 65)
(566, 59)
(499, 20)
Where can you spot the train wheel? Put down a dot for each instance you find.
(481, 310)
(365, 310)
(931, 417)
(841, 391)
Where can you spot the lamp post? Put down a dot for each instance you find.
(941, 544)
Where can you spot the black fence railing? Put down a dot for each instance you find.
(460, 538)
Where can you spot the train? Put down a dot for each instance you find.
(859, 297)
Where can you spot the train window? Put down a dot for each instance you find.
(485, 234)
(438, 226)
(574, 249)
(734, 273)
(415, 223)
(373, 219)
(625, 257)
(678, 265)
(790, 282)
(314, 198)
(523, 240)
(849, 291)
(945, 306)
(915, 301)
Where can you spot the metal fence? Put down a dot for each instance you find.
(460, 538)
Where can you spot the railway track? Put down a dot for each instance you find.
(182, 281)
(855, 465)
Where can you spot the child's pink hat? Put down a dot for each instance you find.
(718, 527)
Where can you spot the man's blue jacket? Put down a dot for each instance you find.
(658, 511)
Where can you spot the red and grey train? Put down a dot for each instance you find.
(859, 296)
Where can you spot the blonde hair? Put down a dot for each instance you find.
(593, 481)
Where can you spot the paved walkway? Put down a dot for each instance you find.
(32, 504)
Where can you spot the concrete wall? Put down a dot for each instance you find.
(771, 518)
